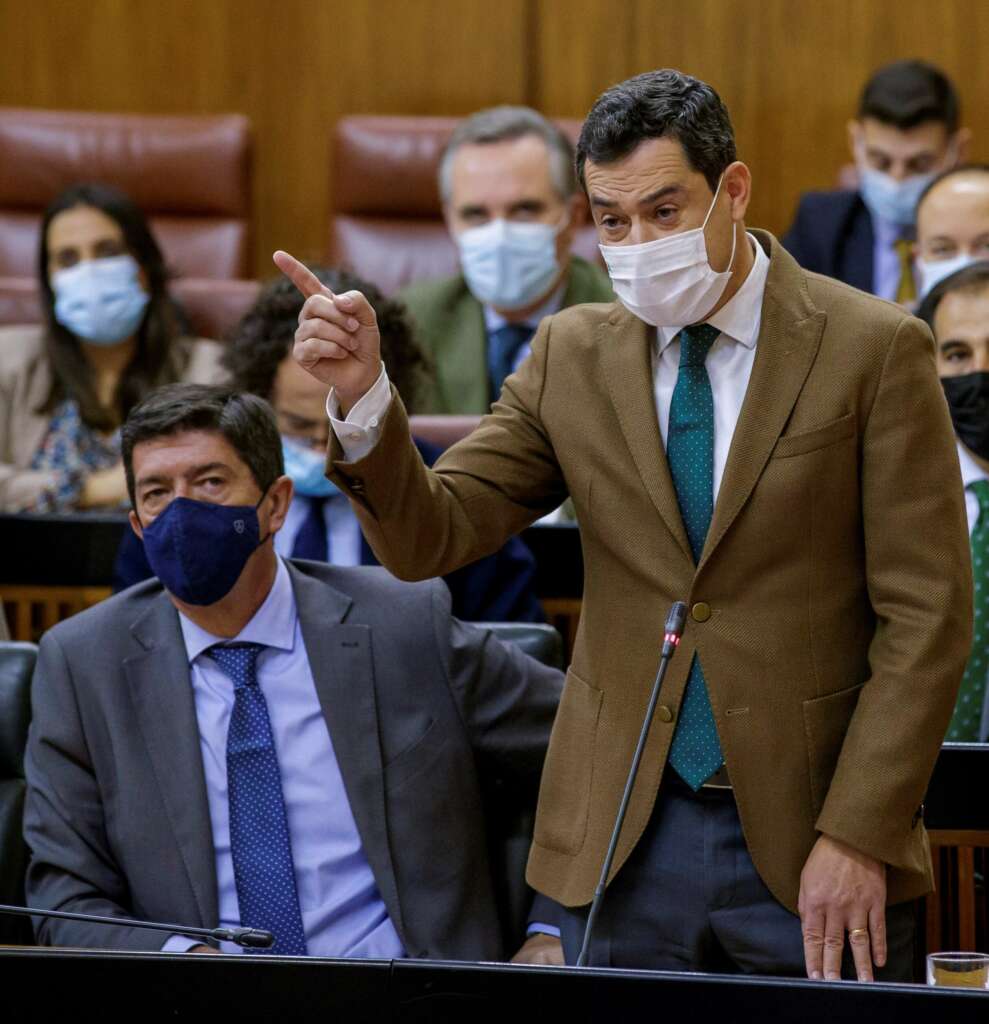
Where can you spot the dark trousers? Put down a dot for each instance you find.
(689, 899)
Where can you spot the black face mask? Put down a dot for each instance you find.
(968, 402)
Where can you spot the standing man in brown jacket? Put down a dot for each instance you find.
(770, 446)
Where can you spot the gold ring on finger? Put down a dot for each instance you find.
(857, 931)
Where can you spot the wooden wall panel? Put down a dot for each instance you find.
(789, 70)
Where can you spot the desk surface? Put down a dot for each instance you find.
(426, 991)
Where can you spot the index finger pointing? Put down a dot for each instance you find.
(300, 275)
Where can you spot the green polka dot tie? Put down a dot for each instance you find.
(696, 750)
(967, 718)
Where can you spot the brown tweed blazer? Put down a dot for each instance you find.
(836, 570)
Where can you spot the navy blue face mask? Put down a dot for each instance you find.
(198, 549)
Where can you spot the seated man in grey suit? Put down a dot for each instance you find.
(289, 745)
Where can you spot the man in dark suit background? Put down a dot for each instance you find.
(289, 745)
(906, 132)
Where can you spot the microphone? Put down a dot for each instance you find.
(675, 622)
(253, 938)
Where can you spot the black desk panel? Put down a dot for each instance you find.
(78, 549)
(43, 984)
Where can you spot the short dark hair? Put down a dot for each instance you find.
(973, 278)
(157, 359)
(908, 93)
(655, 105)
(263, 338)
(246, 421)
(950, 173)
(500, 124)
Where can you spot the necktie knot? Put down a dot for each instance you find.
(238, 661)
(980, 488)
(695, 343)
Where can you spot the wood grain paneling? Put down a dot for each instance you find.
(789, 70)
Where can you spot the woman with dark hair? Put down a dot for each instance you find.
(320, 523)
(111, 334)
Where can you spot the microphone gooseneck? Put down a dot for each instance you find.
(675, 622)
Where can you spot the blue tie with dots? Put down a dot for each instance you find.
(967, 718)
(696, 751)
(259, 838)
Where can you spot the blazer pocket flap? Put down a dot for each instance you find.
(825, 724)
(819, 437)
(565, 790)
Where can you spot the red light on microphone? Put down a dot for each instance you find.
(671, 638)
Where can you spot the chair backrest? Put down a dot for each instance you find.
(510, 824)
(212, 307)
(190, 175)
(386, 222)
(16, 667)
(442, 431)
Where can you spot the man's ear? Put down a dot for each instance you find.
(854, 130)
(737, 186)
(135, 524)
(963, 140)
(278, 499)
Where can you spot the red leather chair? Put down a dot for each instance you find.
(386, 222)
(190, 175)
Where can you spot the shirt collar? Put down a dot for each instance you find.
(741, 316)
(971, 470)
(494, 321)
(273, 624)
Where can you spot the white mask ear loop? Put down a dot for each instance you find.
(734, 233)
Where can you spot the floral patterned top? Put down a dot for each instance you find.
(71, 451)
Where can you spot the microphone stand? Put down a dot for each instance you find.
(253, 938)
(675, 622)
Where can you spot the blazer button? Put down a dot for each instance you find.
(701, 611)
(664, 714)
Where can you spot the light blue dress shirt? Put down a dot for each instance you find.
(885, 259)
(494, 321)
(342, 911)
(343, 531)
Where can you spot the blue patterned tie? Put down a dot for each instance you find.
(696, 751)
(503, 349)
(259, 839)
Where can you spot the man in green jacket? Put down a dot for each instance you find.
(511, 202)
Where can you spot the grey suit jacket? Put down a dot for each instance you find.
(420, 708)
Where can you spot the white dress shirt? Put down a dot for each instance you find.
(971, 471)
(729, 366)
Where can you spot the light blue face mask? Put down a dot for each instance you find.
(509, 264)
(307, 469)
(890, 200)
(101, 300)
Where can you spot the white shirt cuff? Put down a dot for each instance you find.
(359, 432)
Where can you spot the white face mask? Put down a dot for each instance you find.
(933, 272)
(669, 282)
(509, 264)
(100, 300)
